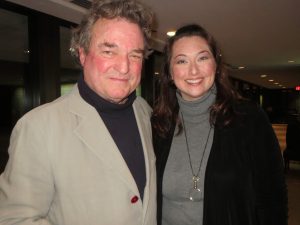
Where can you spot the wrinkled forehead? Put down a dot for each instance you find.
(116, 24)
(118, 31)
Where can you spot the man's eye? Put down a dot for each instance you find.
(107, 52)
(137, 56)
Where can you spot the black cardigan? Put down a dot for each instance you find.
(244, 179)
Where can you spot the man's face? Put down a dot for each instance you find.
(112, 66)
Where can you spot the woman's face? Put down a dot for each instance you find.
(192, 67)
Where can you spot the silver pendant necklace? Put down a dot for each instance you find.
(195, 192)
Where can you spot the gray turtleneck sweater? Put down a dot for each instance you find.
(178, 209)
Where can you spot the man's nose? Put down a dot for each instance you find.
(123, 64)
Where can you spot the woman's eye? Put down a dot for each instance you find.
(181, 61)
(203, 58)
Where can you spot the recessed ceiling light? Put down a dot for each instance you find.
(171, 33)
(156, 73)
(271, 80)
(263, 75)
(291, 61)
(241, 67)
(276, 83)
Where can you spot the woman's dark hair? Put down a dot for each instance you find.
(165, 112)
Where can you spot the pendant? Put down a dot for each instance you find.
(195, 192)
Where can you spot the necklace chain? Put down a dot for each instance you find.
(195, 175)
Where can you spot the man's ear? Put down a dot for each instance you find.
(82, 56)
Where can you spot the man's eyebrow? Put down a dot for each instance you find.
(108, 45)
(113, 45)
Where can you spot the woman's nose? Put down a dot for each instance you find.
(194, 69)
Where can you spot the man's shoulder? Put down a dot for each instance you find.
(141, 104)
(49, 110)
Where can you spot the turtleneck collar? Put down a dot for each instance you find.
(99, 103)
(193, 111)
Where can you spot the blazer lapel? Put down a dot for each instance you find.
(144, 127)
(92, 131)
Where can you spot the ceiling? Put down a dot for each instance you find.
(263, 36)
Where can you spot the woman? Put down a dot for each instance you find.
(218, 159)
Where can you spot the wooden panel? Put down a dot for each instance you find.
(280, 131)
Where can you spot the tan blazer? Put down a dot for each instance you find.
(65, 169)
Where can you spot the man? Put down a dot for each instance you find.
(87, 158)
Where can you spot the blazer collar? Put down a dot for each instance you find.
(91, 130)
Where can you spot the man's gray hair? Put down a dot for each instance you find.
(131, 10)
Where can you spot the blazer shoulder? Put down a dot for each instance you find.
(141, 104)
(46, 112)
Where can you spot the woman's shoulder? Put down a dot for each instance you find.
(245, 105)
(249, 112)
(247, 108)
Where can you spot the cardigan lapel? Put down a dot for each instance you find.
(92, 131)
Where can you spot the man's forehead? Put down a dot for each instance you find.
(117, 33)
